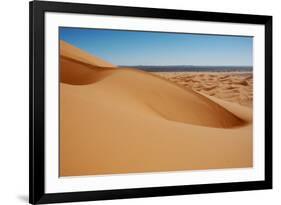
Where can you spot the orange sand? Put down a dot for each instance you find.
(116, 121)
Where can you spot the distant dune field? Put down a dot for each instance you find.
(230, 86)
(115, 121)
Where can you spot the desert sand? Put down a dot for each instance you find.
(234, 87)
(122, 120)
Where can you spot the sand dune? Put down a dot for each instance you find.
(125, 120)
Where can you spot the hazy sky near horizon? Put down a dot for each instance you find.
(160, 48)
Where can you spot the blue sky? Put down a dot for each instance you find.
(159, 48)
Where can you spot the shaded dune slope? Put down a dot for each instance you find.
(79, 73)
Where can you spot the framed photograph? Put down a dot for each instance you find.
(130, 102)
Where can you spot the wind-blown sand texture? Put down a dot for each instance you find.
(116, 121)
(234, 87)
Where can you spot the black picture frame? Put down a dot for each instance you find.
(37, 194)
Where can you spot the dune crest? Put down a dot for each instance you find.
(70, 51)
(140, 122)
